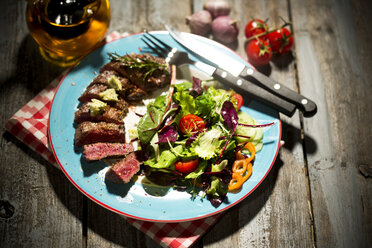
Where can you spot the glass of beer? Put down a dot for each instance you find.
(66, 30)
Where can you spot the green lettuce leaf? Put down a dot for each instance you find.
(208, 144)
(199, 171)
(217, 188)
(147, 124)
(220, 166)
(205, 106)
(154, 114)
(219, 96)
(183, 86)
(166, 159)
(186, 101)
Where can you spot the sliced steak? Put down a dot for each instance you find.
(101, 83)
(103, 77)
(124, 170)
(115, 66)
(159, 79)
(99, 151)
(92, 91)
(90, 132)
(121, 105)
(111, 114)
(135, 94)
(156, 79)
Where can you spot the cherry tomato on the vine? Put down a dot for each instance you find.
(281, 40)
(255, 27)
(187, 166)
(259, 52)
(190, 124)
(239, 100)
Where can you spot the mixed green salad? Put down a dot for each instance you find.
(189, 138)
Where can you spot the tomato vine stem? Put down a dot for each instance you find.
(269, 31)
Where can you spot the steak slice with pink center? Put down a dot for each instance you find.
(90, 132)
(99, 151)
(124, 170)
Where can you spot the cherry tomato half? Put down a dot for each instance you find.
(259, 52)
(281, 40)
(190, 124)
(187, 166)
(255, 27)
(239, 100)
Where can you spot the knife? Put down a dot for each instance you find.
(237, 69)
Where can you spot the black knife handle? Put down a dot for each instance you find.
(304, 104)
(255, 92)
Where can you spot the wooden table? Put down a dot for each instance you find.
(316, 193)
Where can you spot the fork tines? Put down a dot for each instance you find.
(162, 50)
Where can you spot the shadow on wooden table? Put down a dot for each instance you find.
(292, 137)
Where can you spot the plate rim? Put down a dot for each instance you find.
(50, 141)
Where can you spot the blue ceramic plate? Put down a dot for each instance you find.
(138, 200)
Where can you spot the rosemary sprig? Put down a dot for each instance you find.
(147, 65)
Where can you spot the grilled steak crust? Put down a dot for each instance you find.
(110, 114)
(92, 92)
(104, 77)
(130, 92)
(135, 94)
(90, 132)
(124, 170)
(158, 78)
(99, 151)
(121, 105)
(114, 113)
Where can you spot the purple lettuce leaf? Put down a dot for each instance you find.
(168, 133)
(229, 115)
(197, 89)
(224, 176)
(216, 201)
(191, 139)
(171, 115)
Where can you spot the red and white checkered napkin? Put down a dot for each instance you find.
(30, 125)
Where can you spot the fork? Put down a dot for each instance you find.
(176, 57)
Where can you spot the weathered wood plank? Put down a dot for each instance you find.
(276, 214)
(136, 16)
(334, 58)
(47, 208)
(108, 229)
(39, 206)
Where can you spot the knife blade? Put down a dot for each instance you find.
(219, 59)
